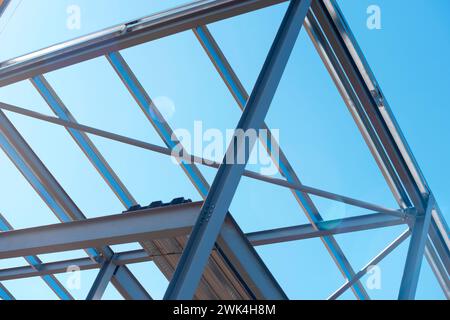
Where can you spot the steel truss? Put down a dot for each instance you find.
(199, 246)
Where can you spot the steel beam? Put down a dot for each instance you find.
(34, 262)
(102, 280)
(224, 69)
(48, 268)
(345, 87)
(165, 222)
(370, 81)
(438, 269)
(3, 5)
(369, 102)
(261, 238)
(215, 208)
(438, 249)
(97, 160)
(238, 91)
(354, 106)
(123, 228)
(206, 162)
(84, 44)
(5, 294)
(324, 228)
(357, 85)
(439, 239)
(165, 132)
(156, 119)
(48, 188)
(156, 223)
(165, 263)
(160, 223)
(36, 173)
(128, 285)
(93, 154)
(122, 258)
(83, 141)
(416, 250)
(235, 248)
(126, 35)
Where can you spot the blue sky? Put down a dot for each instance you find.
(409, 56)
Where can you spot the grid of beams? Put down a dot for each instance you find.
(226, 264)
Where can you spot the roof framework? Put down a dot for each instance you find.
(217, 261)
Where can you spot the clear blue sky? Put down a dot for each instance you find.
(409, 56)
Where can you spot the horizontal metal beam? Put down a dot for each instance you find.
(148, 224)
(122, 258)
(165, 222)
(168, 152)
(124, 36)
(324, 228)
(194, 159)
(132, 290)
(159, 223)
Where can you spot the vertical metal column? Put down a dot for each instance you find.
(416, 251)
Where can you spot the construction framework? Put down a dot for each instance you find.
(198, 246)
